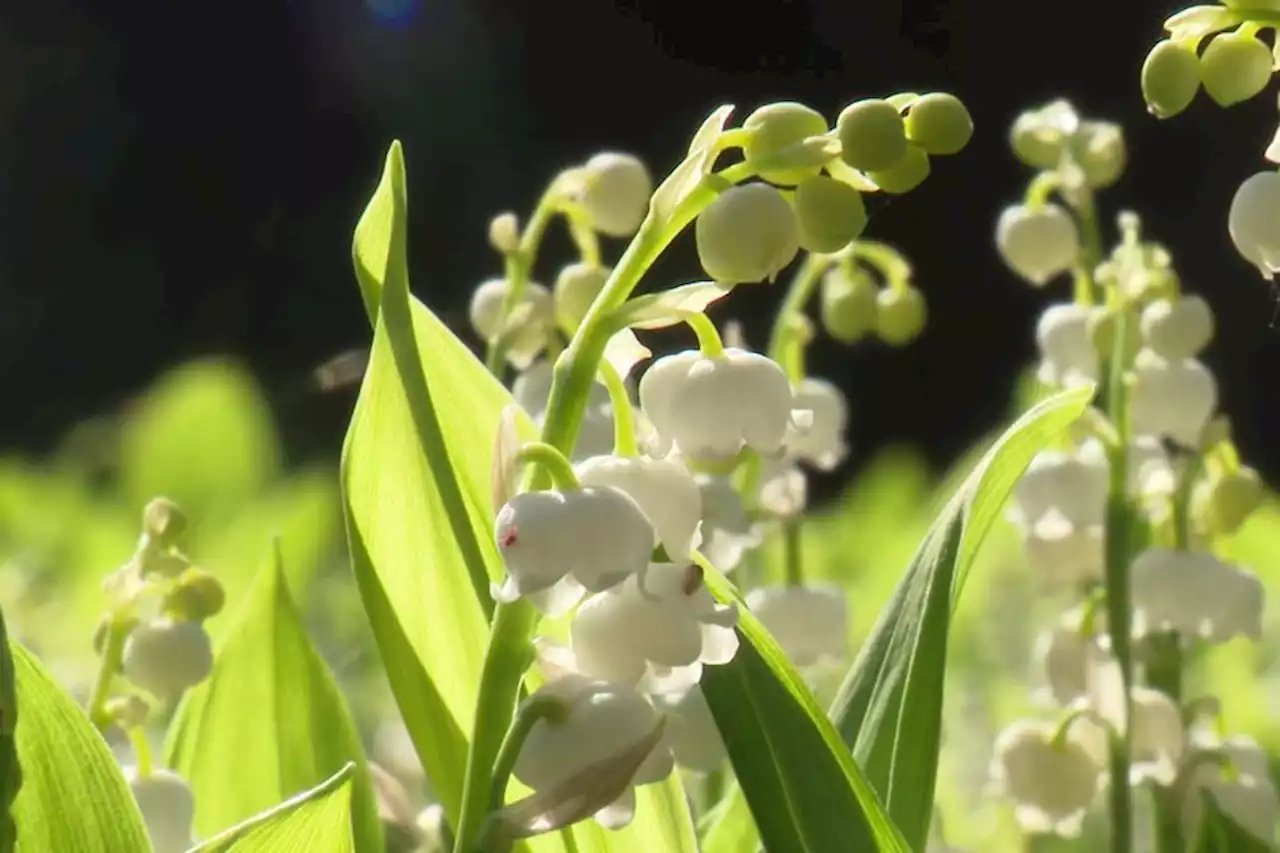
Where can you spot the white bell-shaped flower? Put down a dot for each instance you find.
(1051, 785)
(664, 489)
(601, 721)
(1157, 736)
(1064, 655)
(810, 623)
(532, 319)
(166, 656)
(1195, 594)
(691, 731)
(1073, 485)
(1067, 355)
(1177, 328)
(597, 536)
(1254, 221)
(664, 620)
(616, 190)
(1150, 472)
(822, 443)
(1062, 553)
(1038, 243)
(711, 407)
(784, 489)
(1173, 399)
(532, 392)
(1242, 788)
(168, 808)
(727, 529)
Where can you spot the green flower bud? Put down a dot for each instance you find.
(748, 233)
(1038, 136)
(1221, 503)
(939, 123)
(163, 521)
(165, 657)
(616, 193)
(900, 315)
(577, 286)
(873, 135)
(849, 310)
(504, 233)
(1099, 150)
(830, 214)
(1234, 68)
(777, 132)
(198, 595)
(904, 176)
(1170, 78)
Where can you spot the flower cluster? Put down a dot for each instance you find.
(1127, 513)
(665, 483)
(153, 634)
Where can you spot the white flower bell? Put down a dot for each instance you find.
(165, 656)
(1071, 484)
(616, 190)
(532, 392)
(1051, 785)
(662, 621)
(168, 808)
(810, 623)
(597, 537)
(784, 489)
(1064, 654)
(1060, 552)
(1174, 399)
(1194, 594)
(1177, 329)
(1150, 472)
(822, 444)
(601, 720)
(1067, 355)
(691, 730)
(664, 489)
(712, 407)
(1038, 243)
(533, 319)
(1243, 789)
(727, 530)
(749, 233)
(1254, 222)
(1157, 737)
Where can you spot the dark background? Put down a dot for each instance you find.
(180, 179)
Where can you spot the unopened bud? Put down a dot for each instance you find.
(778, 132)
(1170, 78)
(849, 309)
(1235, 67)
(873, 136)
(163, 521)
(939, 123)
(900, 315)
(906, 174)
(747, 234)
(198, 595)
(504, 233)
(1099, 150)
(830, 214)
(577, 286)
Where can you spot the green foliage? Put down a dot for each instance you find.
(73, 795)
(269, 722)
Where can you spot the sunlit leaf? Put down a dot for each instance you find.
(890, 706)
(798, 779)
(73, 795)
(269, 722)
(667, 308)
(203, 436)
(10, 770)
(315, 821)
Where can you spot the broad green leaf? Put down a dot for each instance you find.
(1220, 834)
(416, 488)
(203, 436)
(10, 770)
(269, 722)
(73, 794)
(802, 787)
(890, 706)
(315, 821)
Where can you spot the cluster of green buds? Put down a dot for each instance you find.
(153, 635)
(1218, 47)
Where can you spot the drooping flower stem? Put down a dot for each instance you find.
(624, 419)
(112, 660)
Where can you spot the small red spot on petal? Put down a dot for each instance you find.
(508, 537)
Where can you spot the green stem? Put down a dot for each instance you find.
(532, 712)
(517, 269)
(141, 751)
(112, 660)
(792, 560)
(886, 260)
(624, 418)
(550, 460)
(799, 292)
(575, 371)
(708, 336)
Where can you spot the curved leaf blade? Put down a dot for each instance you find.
(270, 721)
(315, 821)
(73, 794)
(889, 708)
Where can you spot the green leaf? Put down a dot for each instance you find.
(269, 722)
(315, 821)
(416, 488)
(1220, 834)
(73, 794)
(10, 769)
(203, 436)
(890, 706)
(802, 787)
